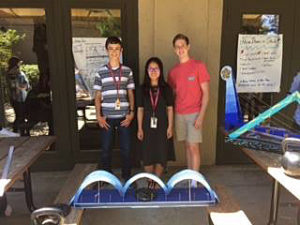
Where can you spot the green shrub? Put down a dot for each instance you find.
(8, 39)
(110, 26)
(32, 72)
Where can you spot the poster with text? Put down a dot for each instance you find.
(89, 55)
(259, 62)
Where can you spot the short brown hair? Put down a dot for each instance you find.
(181, 37)
(113, 40)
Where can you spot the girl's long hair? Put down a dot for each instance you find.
(147, 81)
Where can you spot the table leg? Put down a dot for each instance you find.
(84, 115)
(209, 220)
(298, 215)
(28, 190)
(274, 203)
(3, 204)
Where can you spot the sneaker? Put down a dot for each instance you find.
(6, 133)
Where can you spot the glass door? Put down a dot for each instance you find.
(26, 94)
(87, 24)
(253, 17)
(90, 28)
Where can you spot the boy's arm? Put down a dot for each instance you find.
(130, 116)
(101, 119)
(205, 99)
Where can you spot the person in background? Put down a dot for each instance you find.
(296, 87)
(114, 103)
(82, 89)
(190, 82)
(18, 85)
(155, 118)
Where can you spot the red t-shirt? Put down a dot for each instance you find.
(185, 79)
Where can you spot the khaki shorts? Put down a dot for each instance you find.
(185, 128)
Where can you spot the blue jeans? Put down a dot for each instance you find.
(106, 141)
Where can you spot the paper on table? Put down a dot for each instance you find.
(3, 183)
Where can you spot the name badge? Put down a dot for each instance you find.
(118, 104)
(153, 122)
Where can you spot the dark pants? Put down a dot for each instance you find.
(19, 123)
(106, 141)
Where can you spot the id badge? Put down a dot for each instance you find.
(117, 104)
(153, 122)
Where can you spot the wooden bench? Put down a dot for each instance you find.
(227, 211)
(75, 178)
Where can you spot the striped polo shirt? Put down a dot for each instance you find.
(104, 82)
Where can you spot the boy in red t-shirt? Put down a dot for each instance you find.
(190, 82)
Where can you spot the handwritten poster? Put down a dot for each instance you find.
(259, 61)
(89, 55)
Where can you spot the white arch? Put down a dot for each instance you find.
(189, 175)
(144, 175)
(99, 175)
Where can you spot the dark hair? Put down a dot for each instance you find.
(181, 37)
(12, 62)
(161, 80)
(113, 40)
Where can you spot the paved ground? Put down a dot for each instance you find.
(250, 186)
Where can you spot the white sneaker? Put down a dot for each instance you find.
(6, 133)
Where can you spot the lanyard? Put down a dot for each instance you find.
(117, 84)
(154, 100)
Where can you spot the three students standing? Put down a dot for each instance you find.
(188, 83)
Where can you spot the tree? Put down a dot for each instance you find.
(109, 26)
(8, 39)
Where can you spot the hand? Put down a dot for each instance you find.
(140, 134)
(169, 132)
(128, 119)
(198, 123)
(102, 122)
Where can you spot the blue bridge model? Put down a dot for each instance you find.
(295, 97)
(120, 196)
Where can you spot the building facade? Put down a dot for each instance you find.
(62, 39)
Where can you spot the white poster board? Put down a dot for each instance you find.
(89, 55)
(259, 61)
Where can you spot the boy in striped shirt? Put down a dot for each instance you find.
(114, 102)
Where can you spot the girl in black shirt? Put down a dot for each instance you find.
(155, 118)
